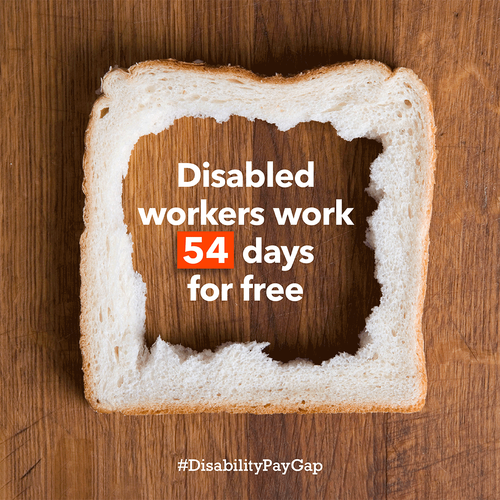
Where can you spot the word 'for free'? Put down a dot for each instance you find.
(274, 292)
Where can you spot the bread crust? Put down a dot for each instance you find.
(185, 408)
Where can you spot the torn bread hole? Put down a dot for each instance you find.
(334, 329)
(117, 353)
(104, 112)
(408, 103)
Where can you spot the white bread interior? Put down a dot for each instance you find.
(360, 99)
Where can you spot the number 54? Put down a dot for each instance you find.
(205, 250)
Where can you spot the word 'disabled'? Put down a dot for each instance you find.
(251, 178)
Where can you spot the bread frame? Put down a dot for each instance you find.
(112, 330)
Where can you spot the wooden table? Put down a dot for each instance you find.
(54, 446)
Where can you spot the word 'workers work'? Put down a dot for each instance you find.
(228, 216)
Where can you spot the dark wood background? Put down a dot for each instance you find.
(52, 445)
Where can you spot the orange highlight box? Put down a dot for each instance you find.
(205, 250)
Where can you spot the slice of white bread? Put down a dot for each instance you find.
(359, 99)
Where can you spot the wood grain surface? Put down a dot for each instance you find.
(53, 446)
